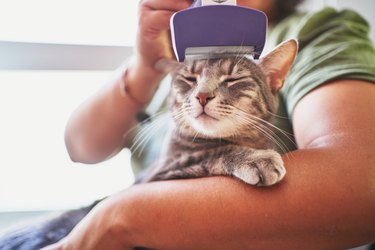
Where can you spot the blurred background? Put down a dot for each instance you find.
(53, 55)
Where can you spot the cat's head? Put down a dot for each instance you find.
(224, 98)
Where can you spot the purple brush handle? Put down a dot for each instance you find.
(218, 25)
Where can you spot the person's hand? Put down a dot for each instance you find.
(153, 44)
(102, 228)
(153, 38)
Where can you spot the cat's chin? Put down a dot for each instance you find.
(209, 126)
(206, 119)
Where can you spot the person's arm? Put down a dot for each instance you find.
(97, 129)
(327, 200)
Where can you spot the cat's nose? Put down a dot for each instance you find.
(204, 97)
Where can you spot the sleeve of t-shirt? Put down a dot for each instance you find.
(332, 45)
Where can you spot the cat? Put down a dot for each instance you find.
(222, 110)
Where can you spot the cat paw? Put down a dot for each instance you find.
(263, 168)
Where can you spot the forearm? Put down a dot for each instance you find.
(316, 207)
(327, 200)
(100, 126)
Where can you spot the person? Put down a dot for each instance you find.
(327, 198)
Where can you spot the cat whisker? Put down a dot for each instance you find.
(246, 121)
(180, 115)
(275, 138)
(195, 136)
(256, 122)
(144, 122)
(269, 133)
(148, 137)
(278, 116)
(274, 127)
(287, 135)
(148, 132)
(156, 118)
(143, 136)
(243, 55)
(181, 111)
(223, 113)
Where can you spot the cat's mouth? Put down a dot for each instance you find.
(205, 117)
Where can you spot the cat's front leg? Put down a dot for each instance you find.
(256, 167)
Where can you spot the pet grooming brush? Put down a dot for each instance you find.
(218, 28)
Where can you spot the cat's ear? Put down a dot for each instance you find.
(167, 65)
(277, 63)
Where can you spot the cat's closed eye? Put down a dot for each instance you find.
(191, 80)
(230, 81)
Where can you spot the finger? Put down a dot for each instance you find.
(171, 5)
(166, 65)
(155, 22)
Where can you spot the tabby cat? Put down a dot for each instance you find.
(222, 110)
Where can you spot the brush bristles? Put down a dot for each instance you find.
(213, 52)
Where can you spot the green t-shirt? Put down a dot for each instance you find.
(332, 45)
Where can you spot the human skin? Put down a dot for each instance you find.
(325, 202)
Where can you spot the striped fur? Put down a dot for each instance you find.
(222, 110)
